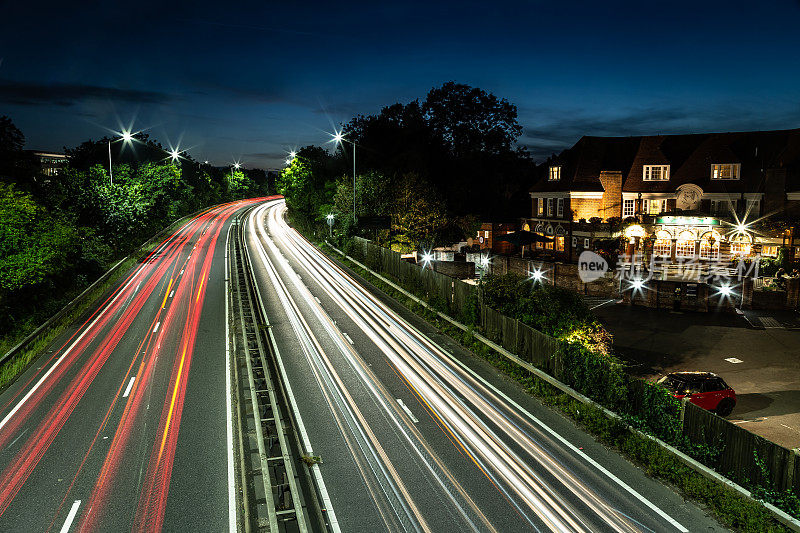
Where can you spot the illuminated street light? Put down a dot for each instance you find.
(174, 154)
(338, 138)
(292, 154)
(637, 284)
(330, 223)
(537, 275)
(126, 137)
(427, 257)
(236, 166)
(725, 291)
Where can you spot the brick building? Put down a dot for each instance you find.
(700, 196)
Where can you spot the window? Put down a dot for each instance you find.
(771, 251)
(685, 245)
(653, 207)
(725, 171)
(753, 208)
(663, 244)
(540, 202)
(560, 207)
(627, 208)
(740, 246)
(559, 243)
(549, 207)
(555, 174)
(707, 250)
(724, 207)
(586, 242)
(574, 242)
(656, 172)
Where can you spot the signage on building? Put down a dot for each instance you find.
(687, 221)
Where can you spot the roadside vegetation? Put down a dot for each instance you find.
(60, 233)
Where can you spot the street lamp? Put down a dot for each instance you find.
(126, 137)
(339, 138)
(330, 224)
(174, 154)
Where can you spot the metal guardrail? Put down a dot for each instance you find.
(274, 469)
(47, 324)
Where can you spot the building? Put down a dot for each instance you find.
(49, 163)
(713, 196)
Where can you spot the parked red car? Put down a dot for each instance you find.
(703, 389)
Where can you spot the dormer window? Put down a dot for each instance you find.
(555, 174)
(725, 171)
(656, 173)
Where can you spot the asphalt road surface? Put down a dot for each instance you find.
(417, 435)
(123, 426)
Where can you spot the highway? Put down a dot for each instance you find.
(123, 424)
(415, 435)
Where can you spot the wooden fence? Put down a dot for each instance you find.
(744, 457)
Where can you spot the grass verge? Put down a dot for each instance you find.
(12, 368)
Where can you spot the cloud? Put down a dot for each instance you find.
(553, 131)
(66, 94)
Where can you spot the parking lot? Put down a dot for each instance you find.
(757, 354)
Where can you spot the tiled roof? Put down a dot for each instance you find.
(690, 158)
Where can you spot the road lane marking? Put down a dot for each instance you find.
(128, 388)
(181, 271)
(232, 521)
(15, 440)
(71, 516)
(164, 303)
(408, 411)
(317, 299)
(173, 292)
(733, 360)
(65, 354)
(346, 336)
(156, 328)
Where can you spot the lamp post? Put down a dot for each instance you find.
(126, 137)
(330, 224)
(339, 138)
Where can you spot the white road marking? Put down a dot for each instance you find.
(15, 440)
(232, 521)
(733, 360)
(171, 293)
(129, 387)
(317, 299)
(71, 516)
(181, 272)
(156, 328)
(64, 355)
(408, 411)
(346, 336)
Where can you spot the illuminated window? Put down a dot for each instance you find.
(560, 208)
(627, 208)
(550, 207)
(555, 174)
(656, 172)
(653, 207)
(540, 205)
(559, 243)
(771, 251)
(685, 245)
(740, 246)
(725, 171)
(662, 246)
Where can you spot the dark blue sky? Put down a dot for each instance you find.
(253, 80)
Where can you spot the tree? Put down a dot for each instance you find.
(418, 214)
(12, 142)
(469, 120)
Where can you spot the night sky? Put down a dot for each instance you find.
(250, 82)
